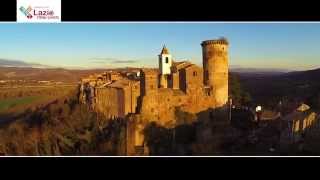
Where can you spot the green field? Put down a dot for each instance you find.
(6, 104)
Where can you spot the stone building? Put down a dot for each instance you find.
(297, 123)
(159, 95)
(117, 99)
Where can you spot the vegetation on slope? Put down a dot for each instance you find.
(6, 104)
(236, 91)
(63, 127)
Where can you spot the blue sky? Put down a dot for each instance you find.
(294, 46)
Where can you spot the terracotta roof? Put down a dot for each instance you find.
(181, 64)
(150, 70)
(191, 66)
(119, 83)
(303, 107)
(297, 115)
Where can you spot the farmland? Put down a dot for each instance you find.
(14, 100)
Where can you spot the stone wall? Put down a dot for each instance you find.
(175, 81)
(149, 81)
(110, 102)
(117, 102)
(194, 78)
(163, 81)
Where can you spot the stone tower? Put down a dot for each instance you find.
(149, 102)
(165, 63)
(216, 69)
(148, 82)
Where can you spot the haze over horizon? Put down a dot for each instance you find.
(292, 46)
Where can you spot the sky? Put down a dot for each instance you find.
(292, 46)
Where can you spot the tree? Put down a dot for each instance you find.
(238, 95)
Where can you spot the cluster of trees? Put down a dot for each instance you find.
(63, 127)
(238, 94)
(269, 90)
(314, 101)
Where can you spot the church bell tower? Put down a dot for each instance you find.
(165, 63)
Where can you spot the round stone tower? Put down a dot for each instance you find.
(216, 69)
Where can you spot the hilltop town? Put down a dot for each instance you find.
(159, 94)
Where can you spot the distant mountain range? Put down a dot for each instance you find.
(243, 71)
(297, 84)
(258, 70)
(18, 63)
(42, 74)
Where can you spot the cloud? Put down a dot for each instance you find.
(112, 60)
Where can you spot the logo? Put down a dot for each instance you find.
(38, 11)
(26, 12)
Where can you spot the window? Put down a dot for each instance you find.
(167, 60)
(194, 73)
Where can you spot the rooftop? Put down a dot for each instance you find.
(150, 70)
(164, 50)
(120, 83)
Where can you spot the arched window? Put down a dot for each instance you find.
(167, 60)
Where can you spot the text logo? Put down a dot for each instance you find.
(39, 11)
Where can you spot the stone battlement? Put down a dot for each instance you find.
(217, 41)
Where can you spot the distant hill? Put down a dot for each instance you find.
(301, 85)
(258, 71)
(18, 63)
(41, 74)
(310, 75)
